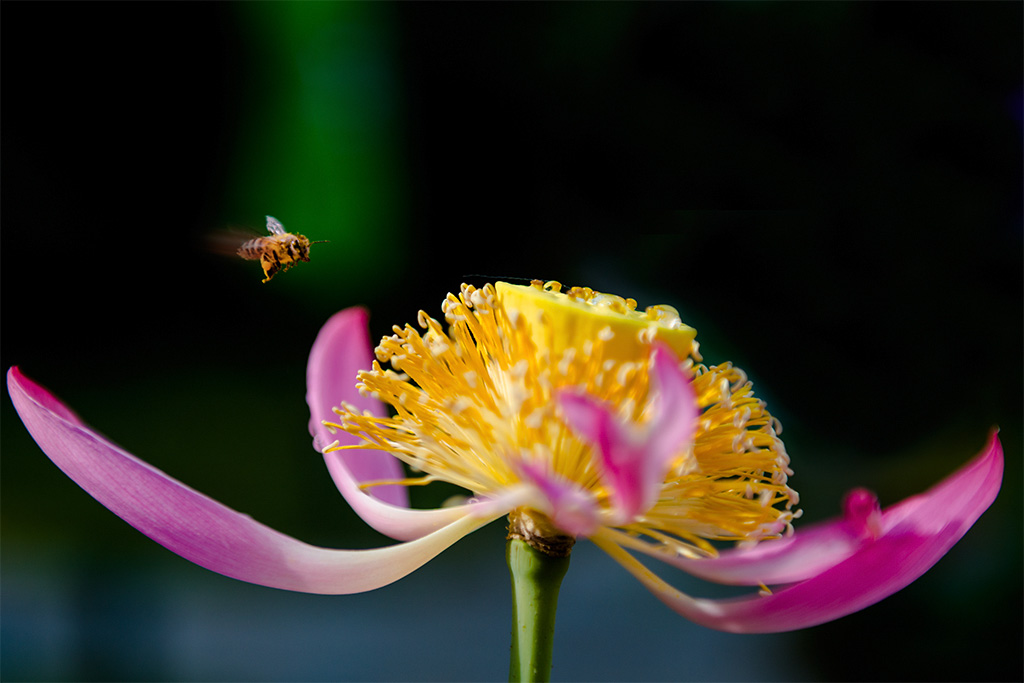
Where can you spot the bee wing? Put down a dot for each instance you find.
(227, 241)
(274, 226)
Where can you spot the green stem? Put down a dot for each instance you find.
(536, 578)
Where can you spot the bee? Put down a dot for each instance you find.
(278, 252)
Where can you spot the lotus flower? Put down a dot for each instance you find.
(573, 414)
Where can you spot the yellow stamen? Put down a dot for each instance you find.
(474, 402)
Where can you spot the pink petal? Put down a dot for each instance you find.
(634, 460)
(915, 534)
(400, 523)
(676, 422)
(199, 528)
(569, 506)
(341, 350)
(620, 450)
(813, 549)
(807, 553)
(810, 551)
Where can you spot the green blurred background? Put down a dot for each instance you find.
(830, 193)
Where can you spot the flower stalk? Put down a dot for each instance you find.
(536, 578)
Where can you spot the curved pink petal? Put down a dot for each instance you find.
(815, 548)
(634, 460)
(342, 349)
(400, 523)
(621, 451)
(946, 507)
(199, 528)
(676, 423)
(810, 551)
(914, 535)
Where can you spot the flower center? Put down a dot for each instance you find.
(475, 406)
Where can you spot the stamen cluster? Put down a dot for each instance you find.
(475, 405)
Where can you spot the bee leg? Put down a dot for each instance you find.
(270, 267)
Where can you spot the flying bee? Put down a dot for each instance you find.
(277, 252)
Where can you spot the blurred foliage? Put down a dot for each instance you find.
(829, 192)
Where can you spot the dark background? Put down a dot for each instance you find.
(830, 193)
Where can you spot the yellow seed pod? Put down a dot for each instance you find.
(567, 320)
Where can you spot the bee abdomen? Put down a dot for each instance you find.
(253, 249)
